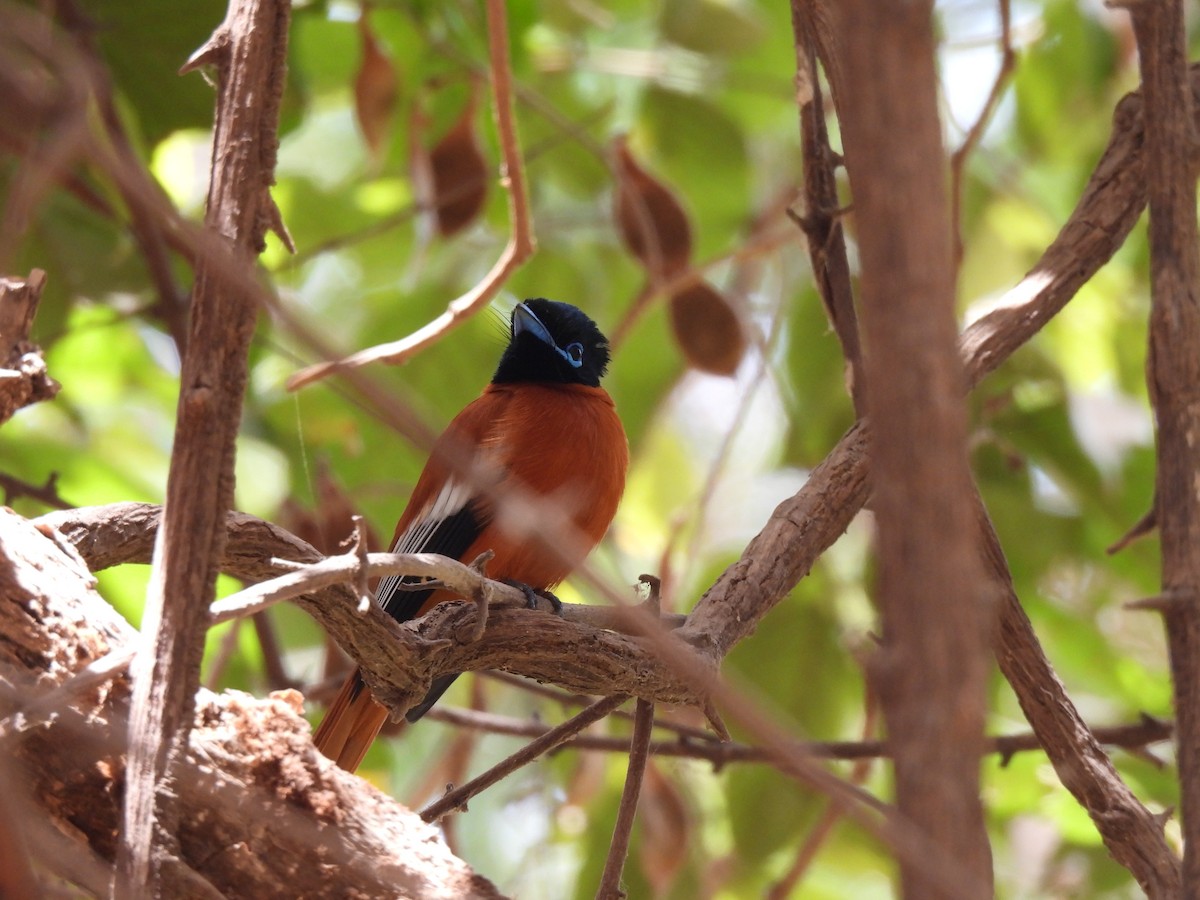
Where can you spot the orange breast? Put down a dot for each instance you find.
(562, 444)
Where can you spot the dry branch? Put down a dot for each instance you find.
(23, 376)
(930, 670)
(822, 219)
(1134, 737)
(639, 754)
(802, 527)
(579, 649)
(1131, 832)
(265, 814)
(1173, 375)
(248, 53)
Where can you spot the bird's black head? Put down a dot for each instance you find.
(552, 342)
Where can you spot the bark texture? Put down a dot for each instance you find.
(263, 814)
(1173, 371)
(930, 671)
(248, 52)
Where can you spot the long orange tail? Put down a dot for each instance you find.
(350, 725)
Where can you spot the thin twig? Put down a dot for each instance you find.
(958, 160)
(618, 850)
(46, 494)
(362, 581)
(450, 574)
(146, 227)
(521, 243)
(822, 219)
(225, 651)
(458, 797)
(1133, 737)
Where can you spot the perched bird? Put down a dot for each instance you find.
(545, 427)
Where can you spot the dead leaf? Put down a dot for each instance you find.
(376, 87)
(460, 174)
(652, 223)
(665, 830)
(707, 329)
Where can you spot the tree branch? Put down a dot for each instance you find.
(639, 747)
(822, 219)
(23, 376)
(579, 649)
(930, 670)
(254, 778)
(1173, 375)
(1132, 834)
(1133, 736)
(804, 526)
(248, 51)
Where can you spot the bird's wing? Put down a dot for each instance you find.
(443, 515)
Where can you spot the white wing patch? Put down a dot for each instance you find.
(453, 497)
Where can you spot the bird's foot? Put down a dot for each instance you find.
(532, 594)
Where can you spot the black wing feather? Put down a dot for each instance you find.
(452, 537)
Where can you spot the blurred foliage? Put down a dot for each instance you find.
(704, 90)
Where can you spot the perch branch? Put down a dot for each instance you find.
(579, 649)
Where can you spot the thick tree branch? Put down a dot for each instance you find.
(1173, 374)
(579, 649)
(930, 670)
(248, 52)
(265, 815)
(804, 526)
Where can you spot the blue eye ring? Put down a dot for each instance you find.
(574, 354)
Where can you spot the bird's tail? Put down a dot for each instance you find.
(350, 725)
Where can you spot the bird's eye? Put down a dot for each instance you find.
(575, 354)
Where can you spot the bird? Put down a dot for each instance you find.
(543, 426)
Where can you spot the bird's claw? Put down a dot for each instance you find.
(532, 594)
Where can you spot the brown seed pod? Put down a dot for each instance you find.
(651, 222)
(666, 830)
(707, 329)
(460, 174)
(376, 87)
